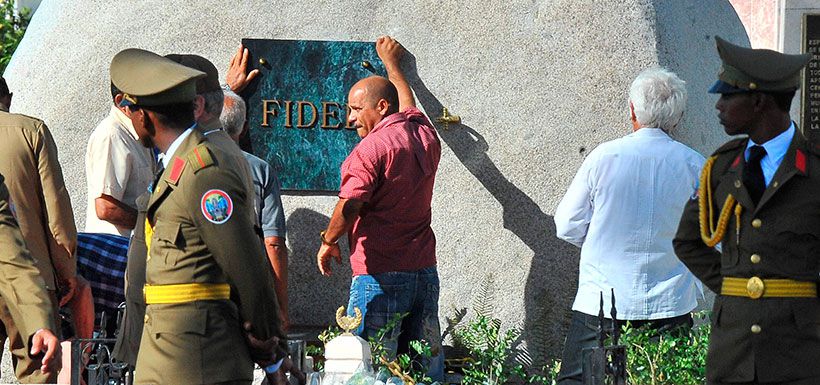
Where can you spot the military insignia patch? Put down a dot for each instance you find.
(216, 206)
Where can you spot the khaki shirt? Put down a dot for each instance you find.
(21, 286)
(35, 182)
(117, 165)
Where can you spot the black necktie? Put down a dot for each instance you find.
(753, 173)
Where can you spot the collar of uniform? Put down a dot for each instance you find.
(209, 126)
(388, 120)
(649, 132)
(167, 155)
(125, 121)
(775, 148)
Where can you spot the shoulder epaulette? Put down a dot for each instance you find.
(177, 165)
(730, 145)
(200, 157)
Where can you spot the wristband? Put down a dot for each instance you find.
(273, 368)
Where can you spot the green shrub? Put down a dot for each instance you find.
(669, 358)
(491, 350)
(12, 28)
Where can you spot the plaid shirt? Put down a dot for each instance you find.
(101, 259)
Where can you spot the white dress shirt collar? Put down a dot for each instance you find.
(776, 149)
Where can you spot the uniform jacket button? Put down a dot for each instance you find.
(756, 329)
(755, 258)
(757, 223)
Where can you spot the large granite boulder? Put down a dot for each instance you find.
(537, 83)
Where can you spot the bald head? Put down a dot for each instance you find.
(376, 88)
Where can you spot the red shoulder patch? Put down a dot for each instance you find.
(199, 158)
(800, 161)
(176, 170)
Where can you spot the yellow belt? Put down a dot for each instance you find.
(756, 287)
(185, 292)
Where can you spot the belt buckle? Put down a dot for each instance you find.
(755, 287)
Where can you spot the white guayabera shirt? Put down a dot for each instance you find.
(623, 209)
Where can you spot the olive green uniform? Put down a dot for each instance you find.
(34, 180)
(772, 339)
(130, 331)
(201, 341)
(21, 286)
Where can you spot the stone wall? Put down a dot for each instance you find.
(538, 85)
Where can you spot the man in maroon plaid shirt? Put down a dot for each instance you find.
(384, 206)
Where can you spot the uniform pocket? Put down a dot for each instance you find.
(807, 317)
(179, 321)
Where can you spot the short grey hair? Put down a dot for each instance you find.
(233, 114)
(213, 102)
(659, 98)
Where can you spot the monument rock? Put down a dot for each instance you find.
(538, 84)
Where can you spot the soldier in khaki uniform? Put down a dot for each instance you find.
(205, 271)
(43, 208)
(24, 293)
(760, 196)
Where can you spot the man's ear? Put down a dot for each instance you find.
(632, 116)
(117, 100)
(199, 107)
(382, 106)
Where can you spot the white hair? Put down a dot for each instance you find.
(233, 113)
(659, 98)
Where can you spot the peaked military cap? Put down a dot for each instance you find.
(148, 79)
(207, 84)
(746, 70)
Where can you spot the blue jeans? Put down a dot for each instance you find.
(381, 296)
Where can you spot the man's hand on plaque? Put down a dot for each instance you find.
(238, 77)
(389, 50)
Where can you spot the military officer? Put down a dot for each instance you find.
(758, 197)
(24, 291)
(205, 273)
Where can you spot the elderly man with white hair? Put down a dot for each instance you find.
(267, 203)
(622, 209)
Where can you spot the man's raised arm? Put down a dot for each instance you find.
(391, 51)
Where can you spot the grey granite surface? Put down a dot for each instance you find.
(538, 84)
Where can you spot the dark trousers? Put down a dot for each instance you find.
(583, 333)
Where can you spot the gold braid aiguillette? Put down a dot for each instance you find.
(709, 233)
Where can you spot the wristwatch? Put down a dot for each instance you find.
(325, 241)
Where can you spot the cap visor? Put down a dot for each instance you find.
(721, 87)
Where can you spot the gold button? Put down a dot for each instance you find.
(755, 287)
(752, 86)
(147, 318)
(774, 184)
(737, 184)
(756, 329)
(757, 223)
(755, 258)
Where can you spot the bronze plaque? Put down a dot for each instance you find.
(811, 77)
